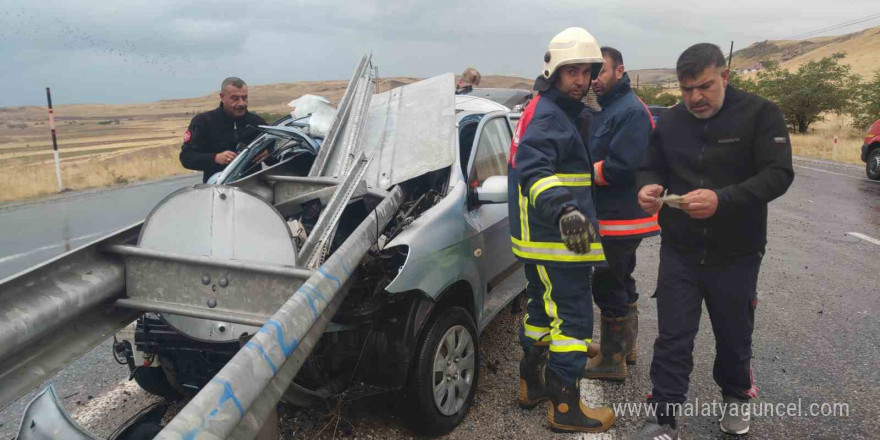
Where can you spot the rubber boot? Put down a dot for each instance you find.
(531, 376)
(632, 338)
(610, 363)
(632, 334)
(567, 413)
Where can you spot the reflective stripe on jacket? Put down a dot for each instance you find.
(549, 170)
(619, 137)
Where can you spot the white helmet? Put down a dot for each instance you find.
(572, 46)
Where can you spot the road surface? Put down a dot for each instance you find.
(35, 232)
(816, 337)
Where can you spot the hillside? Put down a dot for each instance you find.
(862, 51)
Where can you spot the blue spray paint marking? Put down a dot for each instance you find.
(228, 394)
(265, 355)
(192, 434)
(330, 277)
(344, 266)
(279, 334)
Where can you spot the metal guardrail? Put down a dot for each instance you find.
(238, 398)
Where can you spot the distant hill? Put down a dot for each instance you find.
(652, 76)
(268, 98)
(862, 51)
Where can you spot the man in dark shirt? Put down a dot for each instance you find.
(210, 142)
(728, 153)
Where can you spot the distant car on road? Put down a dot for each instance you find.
(871, 152)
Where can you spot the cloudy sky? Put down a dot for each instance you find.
(119, 51)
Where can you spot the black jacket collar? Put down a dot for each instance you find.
(222, 113)
(620, 89)
(569, 105)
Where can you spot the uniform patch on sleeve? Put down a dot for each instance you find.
(780, 140)
(188, 135)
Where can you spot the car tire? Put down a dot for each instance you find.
(872, 166)
(448, 353)
(154, 381)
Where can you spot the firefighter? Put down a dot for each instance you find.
(211, 141)
(555, 233)
(728, 153)
(618, 144)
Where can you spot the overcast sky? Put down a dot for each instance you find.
(119, 51)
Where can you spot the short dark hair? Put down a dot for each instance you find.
(695, 59)
(232, 81)
(614, 54)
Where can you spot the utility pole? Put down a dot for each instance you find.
(730, 59)
(54, 140)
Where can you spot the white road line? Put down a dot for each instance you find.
(45, 248)
(864, 237)
(838, 174)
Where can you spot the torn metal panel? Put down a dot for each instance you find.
(46, 419)
(411, 131)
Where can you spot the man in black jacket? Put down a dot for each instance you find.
(210, 142)
(728, 153)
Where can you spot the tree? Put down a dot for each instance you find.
(667, 100)
(866, 105)
(648, 93)
(815, 88)
(651, 95)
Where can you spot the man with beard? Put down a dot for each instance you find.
(728, 153)
(211, 140)
(618, 144)
(553, 228)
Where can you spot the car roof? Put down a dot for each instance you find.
(506, 97)
(474, 104)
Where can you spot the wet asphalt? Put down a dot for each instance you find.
(33, 232)
(817, 320)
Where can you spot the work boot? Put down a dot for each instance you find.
(653, 430)
(531, 376)
(632, 334)
(736, 417)
(567, 413)
(632, 338)
(610, 363)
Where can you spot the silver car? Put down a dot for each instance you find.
(411, 320)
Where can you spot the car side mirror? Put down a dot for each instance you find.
(493, 190)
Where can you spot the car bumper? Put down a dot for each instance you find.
(865, 153)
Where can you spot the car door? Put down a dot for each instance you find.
(489, 158)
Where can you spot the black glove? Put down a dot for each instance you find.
(577, 231)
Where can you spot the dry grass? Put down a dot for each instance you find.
(90, 172)
(819, 143)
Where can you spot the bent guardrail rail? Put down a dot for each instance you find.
(238, 399)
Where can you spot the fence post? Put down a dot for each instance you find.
(834, 150)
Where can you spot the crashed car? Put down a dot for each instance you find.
(416, 305)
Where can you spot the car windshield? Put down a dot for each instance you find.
(267, 147)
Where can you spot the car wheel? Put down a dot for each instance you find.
(154, 381)
(872, 167)
(443, 381)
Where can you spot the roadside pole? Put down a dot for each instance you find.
(54, 140)
(730, 58)
(834, 150)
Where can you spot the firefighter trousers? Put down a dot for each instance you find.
(730, 293)
(614, 287)
(560, 310)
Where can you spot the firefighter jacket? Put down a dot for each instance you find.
(619, 136)
(549, 170)
(214, 132)
(743, 153)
